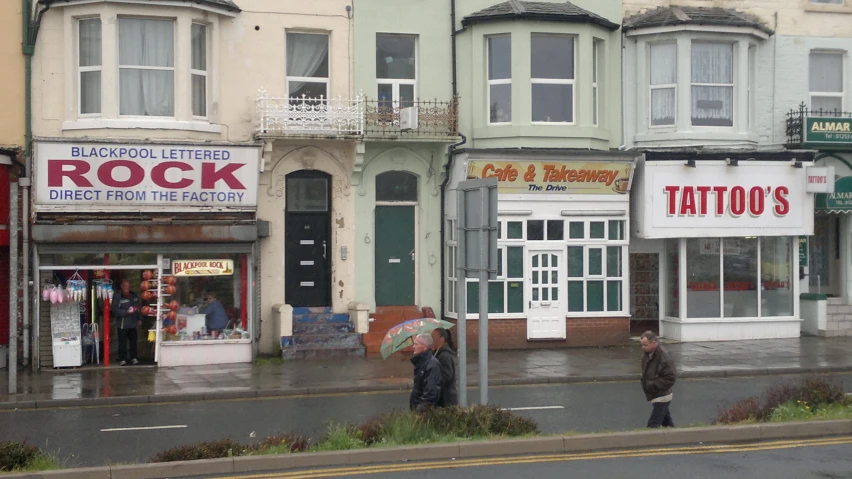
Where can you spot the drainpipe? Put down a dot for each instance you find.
(450, 155)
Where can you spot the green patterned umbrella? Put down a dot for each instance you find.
(402, 335)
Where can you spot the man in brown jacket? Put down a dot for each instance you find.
(658, 377)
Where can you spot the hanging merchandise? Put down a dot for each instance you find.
(46, 290)
(76, 288)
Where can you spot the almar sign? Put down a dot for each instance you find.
(828, 130)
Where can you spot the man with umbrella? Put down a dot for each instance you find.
(427, 375)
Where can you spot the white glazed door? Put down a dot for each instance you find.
(545, 316)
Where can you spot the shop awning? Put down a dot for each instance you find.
(838, 202)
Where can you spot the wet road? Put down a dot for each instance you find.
(118, 434)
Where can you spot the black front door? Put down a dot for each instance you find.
(307, 242)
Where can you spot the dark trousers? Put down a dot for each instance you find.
(660, 415)
(124, 336)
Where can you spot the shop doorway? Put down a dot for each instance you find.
(644, 292)
(307, 242)
(546, 316)
(396, 239)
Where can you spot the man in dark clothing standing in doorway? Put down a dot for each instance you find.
(427, 375)
(126, 309)
(658, 377)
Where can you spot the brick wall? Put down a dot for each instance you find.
(580, 332)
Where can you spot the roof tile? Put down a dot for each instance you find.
(553, 11)
(680, 15)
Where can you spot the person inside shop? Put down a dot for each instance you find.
(126, 309)
(215, 316)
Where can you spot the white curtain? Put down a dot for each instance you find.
(663, 72)
(90, 56)
(307, 56)
(713, 63)
(146, 43)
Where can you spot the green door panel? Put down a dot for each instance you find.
(395, 255)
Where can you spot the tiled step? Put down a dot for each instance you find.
(319, 352)
(320, 318)
(322, 328)
(342, 340)
(311, 310)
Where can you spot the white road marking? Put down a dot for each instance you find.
(144, 428)
(535, 408)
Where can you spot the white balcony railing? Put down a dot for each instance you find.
(309, 116)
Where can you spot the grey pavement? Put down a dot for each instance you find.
(114, 385)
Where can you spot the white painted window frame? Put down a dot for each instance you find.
(842, 93)
(735, 68)
(172, 69)
(662, 86)
(82, 69)
(326, 80)
(554, 81)
(501, 81)
(397, 82)
(204, 73)
(595, 72)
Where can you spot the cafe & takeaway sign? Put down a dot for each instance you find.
(203, 267)
(569, 177)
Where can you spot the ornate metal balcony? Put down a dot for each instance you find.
(797, 124)
(421, 119)
(309, 116)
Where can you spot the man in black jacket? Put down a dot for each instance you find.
(658, 377)
(126, 308)
(446, 356)
(427, 375)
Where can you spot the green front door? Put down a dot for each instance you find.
(395, 255)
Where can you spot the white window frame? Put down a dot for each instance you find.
(397, 82)
(734, 71)
(501, 81)
(662, 86)
(817, 2)
(751, 85)
(326, 80)
(554, 81)
(588, 243)
(82, 69)
(842, 93)
(172, 69)
(595, 99)
(193, 72)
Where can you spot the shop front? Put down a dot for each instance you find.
(562, 248)
(174, 221)
(726, 228)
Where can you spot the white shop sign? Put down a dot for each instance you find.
(820, 179)
(98, 177)
(714, 199)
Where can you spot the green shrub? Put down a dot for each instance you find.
(479, 421)
(202, 450)
(812, 393)
(820, 390)
(747, 409)
(285, 442)
(340, 437)
(19, 455)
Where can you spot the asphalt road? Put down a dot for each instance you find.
(93, 436)
(818, 459)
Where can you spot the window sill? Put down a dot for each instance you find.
(811, 7)
(713, 137)
(141, 124)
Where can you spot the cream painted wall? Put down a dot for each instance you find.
(11, 75)
(794, 17)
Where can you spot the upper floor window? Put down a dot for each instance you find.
(500, 79)
(712, 84)
(595, 63)
(307, 65)
(89, 65)
(826, 80)
(663, 84)
(396, 68)
(146, 62)
(552, 78)
(199, 70)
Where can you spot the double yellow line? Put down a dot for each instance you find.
(504, 461)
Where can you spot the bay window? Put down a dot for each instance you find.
(146, 61)
(500, 79)
(712, 70)
(307, 65)
(552, 78)
(89, 65)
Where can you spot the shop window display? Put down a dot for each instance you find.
(703, 294)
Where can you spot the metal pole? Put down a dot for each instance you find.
(461, 298)
(13, 288)
(483, 297)
(25, 283)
